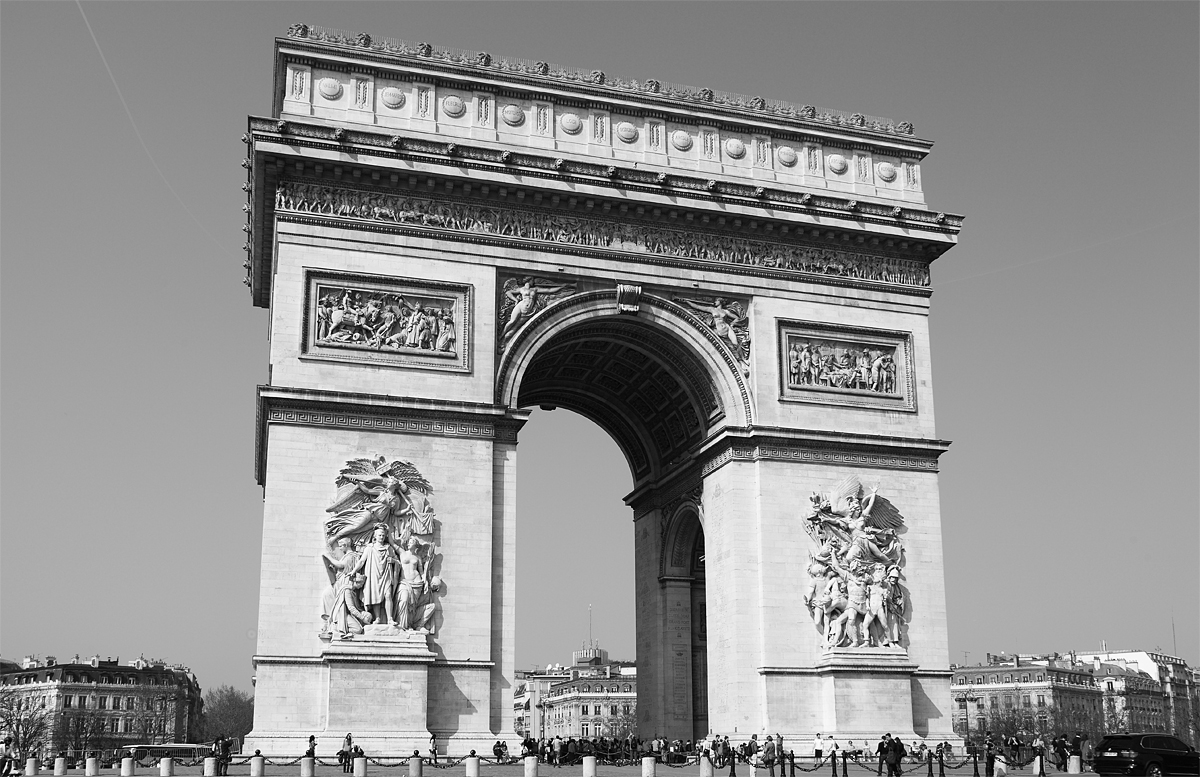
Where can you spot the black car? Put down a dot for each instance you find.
(1150, 754)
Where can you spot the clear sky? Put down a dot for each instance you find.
(1065, 325)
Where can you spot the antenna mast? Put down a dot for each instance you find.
(591, 644)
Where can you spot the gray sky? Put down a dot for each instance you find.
(1065, 325)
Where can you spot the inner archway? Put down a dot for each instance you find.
(659, 389)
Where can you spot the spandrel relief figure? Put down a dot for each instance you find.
(526, 297)
(855, 595)
(381, 575)
(729, 321)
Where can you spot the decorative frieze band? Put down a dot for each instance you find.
(810, 454)
(509, 222)
(378, 423)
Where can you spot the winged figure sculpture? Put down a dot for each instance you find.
(372, 491)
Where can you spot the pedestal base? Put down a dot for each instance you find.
(374, 686)
(866, 692)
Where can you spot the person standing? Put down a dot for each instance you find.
(881, 752)
(895, 756)
(433, 748)
(768, 756)
(817, 749)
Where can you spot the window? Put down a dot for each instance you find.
(67, 702)
(112, 726)
(1008, 678)
(627, 688)
(612, 710)
(128, 703)
(1025, 700)
(993, 679)
(962, 681)
(625, 709)
(82, 702)
(70, 678)
(586, 688)
(1008, 700)
(1024, 678)
(1041, 677)
(994, 702)
(596, 710)
(102, 702)
(85, 678)
(962, 704)
(1109, 685)
(585, 729)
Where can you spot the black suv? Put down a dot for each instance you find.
(1150, 754)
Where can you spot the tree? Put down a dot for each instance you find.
(227, 712)
(79, 732)
(26, 722)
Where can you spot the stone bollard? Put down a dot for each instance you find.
(210, 767)
(1039, 766)
(129, 767)
(31, 767)
(706, 766)
(415, 765)
(589, 766)
(60, 766)
(1075, 765)
(91, 767)
(258, 766)
(648, 766)
(166, 767)
(1001, 767)
(360, 766)
(308, 766)
(531, 766)
(472, 763)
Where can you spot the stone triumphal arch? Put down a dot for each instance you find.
(735, 289)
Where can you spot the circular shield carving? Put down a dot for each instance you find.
(887, 171)
(513, 115)
(681, 140)
(627, 132)
(454, 107)
(392, 98)
(570, 123)
(330, 88)
(786, 155)
(735, 148)
(838, 164)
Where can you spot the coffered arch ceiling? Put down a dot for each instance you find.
(652, 395)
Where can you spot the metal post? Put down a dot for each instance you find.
(929, 761)
(733, 763)
(975, 758)
(845, 757)
(833, 761)
(941, 764)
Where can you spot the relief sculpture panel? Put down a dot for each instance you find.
(846, 366)
(407, 323)
(381, 552)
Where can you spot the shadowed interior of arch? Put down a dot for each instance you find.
(636, 382)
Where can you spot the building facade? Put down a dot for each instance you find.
(1181, 711)
(736, 289)
(593, 698)
(99, 704)
(1024, 693)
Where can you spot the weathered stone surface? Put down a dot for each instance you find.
(652, 262)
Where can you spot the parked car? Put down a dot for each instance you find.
(1150, 754)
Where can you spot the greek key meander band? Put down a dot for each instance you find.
(505, 433)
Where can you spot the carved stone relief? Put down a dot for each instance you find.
(840, 365)
(387, 321)
(381, 552)
(522, 299)
(551, 227)
(729, 319)
(855, 592)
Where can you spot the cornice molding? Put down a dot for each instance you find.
(818, 447)
(376, 413)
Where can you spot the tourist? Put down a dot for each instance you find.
(831, 747)
(433, 748)
(881, 752)
(895, 757)
(768, 757)
(312, 747)
(817, 749)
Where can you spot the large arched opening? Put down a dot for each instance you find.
(660, 386)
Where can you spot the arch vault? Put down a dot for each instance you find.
(735, 290)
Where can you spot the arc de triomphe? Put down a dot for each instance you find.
(735, 289)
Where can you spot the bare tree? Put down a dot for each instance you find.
(227, 712)
(27, 722)
(79, 732)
